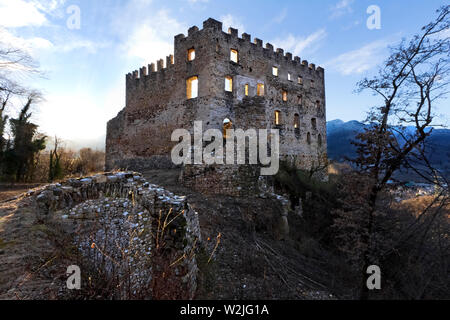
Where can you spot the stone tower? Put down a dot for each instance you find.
(214, 76)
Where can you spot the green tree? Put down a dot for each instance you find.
(20, 156)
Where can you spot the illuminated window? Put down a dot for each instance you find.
(229, 84)
(314, 123)
(191, 54)
(275, 71)
(234, 55)
(227, 124)
(312, 83)
(277, 117)
(300, 80)
(308, 138)
(246, 89)
(192, 87)
(289, 77)
(296, 121)
(284, 95)
(260, 89)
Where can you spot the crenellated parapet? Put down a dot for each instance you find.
(256, 46)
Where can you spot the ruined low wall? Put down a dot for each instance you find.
(128, 229)
(232, 180)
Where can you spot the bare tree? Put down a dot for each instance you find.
(410, 84)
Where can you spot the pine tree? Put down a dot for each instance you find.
(20, 157)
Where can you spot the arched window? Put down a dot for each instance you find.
(228, 84)
(308, 138)
(227, 124)
(314, 123)
(284, 95)
(319, 140)
(192, 87)
(246, 89)
(277, 117)
(296, 121)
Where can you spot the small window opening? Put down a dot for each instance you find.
(284, 95)
(314, 123)
(275, 71)
(308, 138)
(260, 89)
(289, 77)
(300, 80)
(234, 55)
(299, 100)
(277, 117)
(318, 104)
(227, 124)
(229, 84)
(296, 121)
(192, 87)
(312, 84)
(246, 89)
(319, 140)
(191, 54)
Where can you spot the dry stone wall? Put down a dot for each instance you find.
(130, 229)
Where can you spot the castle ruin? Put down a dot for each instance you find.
(222, 80)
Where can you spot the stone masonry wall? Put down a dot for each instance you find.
(130, 229)
(156, 103)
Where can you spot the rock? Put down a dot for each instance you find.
(86, 181)
(74, 183)
(100, 179)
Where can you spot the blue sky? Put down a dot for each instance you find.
(85, 68)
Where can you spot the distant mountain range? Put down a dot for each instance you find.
(340, 134)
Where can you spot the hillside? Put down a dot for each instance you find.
(340, 134)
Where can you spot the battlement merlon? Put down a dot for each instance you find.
(216, 26)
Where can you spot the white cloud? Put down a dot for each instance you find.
(84, 44)
(299, 45)
(20, 13)
(341, 8)
(229, 20)
(52, 7)
(29, 45)
(281, 16)
(35, 45)
(360, 60)
(145, 36)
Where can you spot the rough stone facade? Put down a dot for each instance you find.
(128, 229)
(139, 137)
